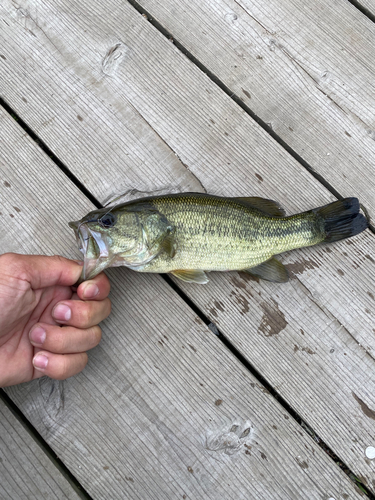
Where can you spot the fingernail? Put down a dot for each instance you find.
(37, 335)
(40, 361)
(90, 291)
(62, 312)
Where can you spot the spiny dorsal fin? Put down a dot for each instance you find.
(191, 276)
(269, 207)
(271, 270)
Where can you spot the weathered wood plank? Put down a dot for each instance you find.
(163, 410)
(229, 154)
(26, 471)
(369, 5)
(305, 68)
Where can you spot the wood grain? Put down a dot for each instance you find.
(163, 410)
(305, 68)
(229, 154)
(26, 472)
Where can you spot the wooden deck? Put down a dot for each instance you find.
(273, 99)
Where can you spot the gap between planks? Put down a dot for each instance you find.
(226, 342)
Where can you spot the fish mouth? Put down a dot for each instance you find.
(93, 248)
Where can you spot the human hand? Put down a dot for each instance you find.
(45, 327)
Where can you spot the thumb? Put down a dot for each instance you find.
(42, 271)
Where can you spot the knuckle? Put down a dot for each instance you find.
(95, 335)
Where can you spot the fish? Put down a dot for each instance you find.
(190, 234)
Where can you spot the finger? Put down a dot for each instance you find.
(95, 289)
(81, 314)
(58, 366)
(66, 339)
(42, 271)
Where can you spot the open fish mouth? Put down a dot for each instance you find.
(95, 250)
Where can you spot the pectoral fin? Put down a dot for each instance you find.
(191, 276)
(269, 207)
(271, 270)
(169, 245)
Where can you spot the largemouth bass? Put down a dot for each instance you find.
(187, 234)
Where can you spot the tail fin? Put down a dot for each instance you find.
(342, 219)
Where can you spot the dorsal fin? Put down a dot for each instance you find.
(269, 207)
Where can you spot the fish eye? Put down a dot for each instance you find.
(107, 220)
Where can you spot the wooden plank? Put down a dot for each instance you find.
(162, 410)
(228, 156)
(25, 470)
(369, 5)
(305, 68)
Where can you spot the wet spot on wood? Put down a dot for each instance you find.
(129, 479)
(226, 133)
(192, 348)
(11, 215)
(328, 250)
(237, 283)
(3, 57)
(300, 267)
(259, 177)
(219, 305)
(302, 463)
(274, 427)
(213, 312)
(218, 402)
(341, 273)
(246, 93)
(190, 469)
(259, 57)
(296, 348)
(242, 301)
(198, 321)
(6, 184)
(286, 417)
(106, 467)
(345, 496)
(212, 121)
(371, 295)
(17, 209)
(273, 320)
(79, 117)
(24, 99)
(263, 456)
(303, 333)
(183, 496)
(370, 258)
(365, 409)
(308, 350)
(347, 133)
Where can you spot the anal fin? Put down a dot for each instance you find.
(191, 276)
(271, 270)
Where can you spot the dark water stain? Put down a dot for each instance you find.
(12, 216)
(366, 410)
(213, 312)
(296, 348)
(237, 283)
(308, 350)
(302, 463)
(17, 209)
(24, 99)
(192, 347)
(347, 133)
(218, 402)
(273, 321)
(242, 301)
(300, 267)
(341, 273)
(219, 305)
(3, 57)
(6, 184)
(79, 117)
(259, 177)
(264, 456)
(370, 258)
(371, 295)
(246, 93)
(303, 333)
(328, 250)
